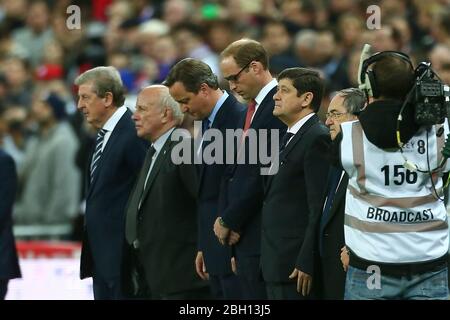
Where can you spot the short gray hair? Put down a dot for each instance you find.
(104, 79)
(166, 100)
(354, 100)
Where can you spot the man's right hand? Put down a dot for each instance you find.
(200, 266)
(233, 238)
(233, 265)
(345, 258)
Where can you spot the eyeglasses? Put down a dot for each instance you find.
(235, 77)
(334, 115)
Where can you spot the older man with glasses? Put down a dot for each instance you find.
(345, 106)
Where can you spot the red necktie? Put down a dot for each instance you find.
(250, 111)
(251, 107)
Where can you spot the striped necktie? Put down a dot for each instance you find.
(97, 151)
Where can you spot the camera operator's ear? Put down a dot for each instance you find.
(372, 84)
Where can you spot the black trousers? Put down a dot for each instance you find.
(135, 285)
(110, 289)
(283, 291)
(3, 288)
(225, 287)
(250, 277)
(203, 293)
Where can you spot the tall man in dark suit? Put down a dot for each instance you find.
(9, 264)
(344, 107)
(114, 165)
(293, 196)
(193, 84)
(161, 222)
(244, 65)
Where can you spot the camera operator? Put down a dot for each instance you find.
(395, 223)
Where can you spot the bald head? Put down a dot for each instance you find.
(156, 112)
(156, 90)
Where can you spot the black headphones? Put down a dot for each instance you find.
(368, 78)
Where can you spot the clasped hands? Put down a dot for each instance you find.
(225, 235)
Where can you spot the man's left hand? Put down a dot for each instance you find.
(220, 231)
(304, 281)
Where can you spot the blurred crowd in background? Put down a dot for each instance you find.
(40, 57)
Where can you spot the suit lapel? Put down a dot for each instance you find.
(133, 204)
(263, 106)
(87, 173)
(141, 180)
(160, 159)
(217, 124)
(111, 141)
(295, 139)
(340, 195)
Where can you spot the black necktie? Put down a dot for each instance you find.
(205, 126)
(151, 153)
(133, 208)
(333, 182)
(287, 136)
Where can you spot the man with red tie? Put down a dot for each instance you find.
(244, 64)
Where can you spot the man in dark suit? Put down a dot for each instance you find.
(345, 106)
(9, 264)
(244, 65)
(193, 84)
(293, 195)
(115, 163)
(161, 222)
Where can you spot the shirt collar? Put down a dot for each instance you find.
(217, 107)
(114, 119)
(294, 129)
(265, 90)
(161, 141)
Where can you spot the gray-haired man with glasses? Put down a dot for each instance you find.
(345, 106)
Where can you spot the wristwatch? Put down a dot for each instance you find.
(222, 223)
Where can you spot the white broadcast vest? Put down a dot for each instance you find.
(392, 214)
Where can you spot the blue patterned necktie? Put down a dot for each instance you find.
(97, 151)
(205, 126)
(333, 183)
